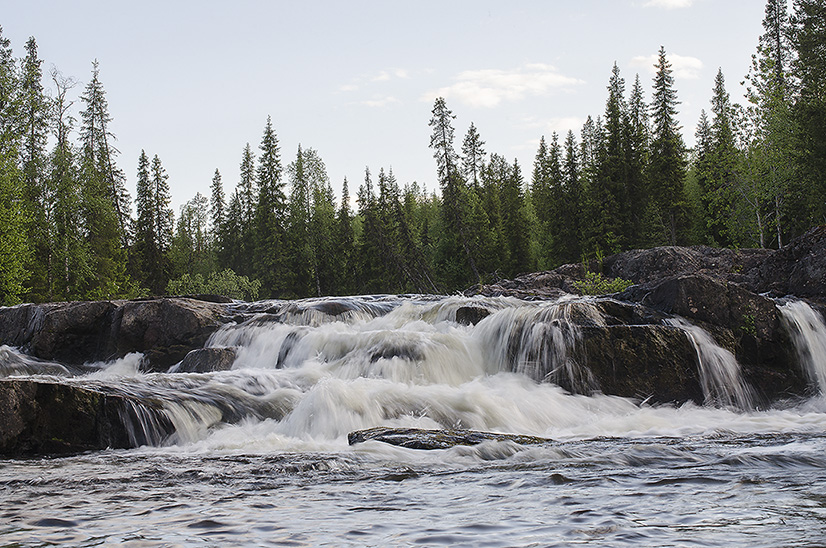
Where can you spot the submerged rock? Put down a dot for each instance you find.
(416, 438)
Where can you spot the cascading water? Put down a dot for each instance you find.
(720, 374)
(808, 331)
(258, 454)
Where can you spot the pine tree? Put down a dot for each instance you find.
(637, 152)
(722, 164)
(145, 248)
(344, 241)
(570, 235)
(39, 194)
(217, 203)
(809, 69)
(667, 165)
(105, 199)
(9, 97)
(473, 157)
(270, 214)
(71, 256)
(457, 238)
(99, 154)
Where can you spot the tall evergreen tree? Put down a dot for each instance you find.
(217, 204)
(809, 69)
(99, 153)
(473, 157)
(667, 165)
(457, 237)
(9, 97)
(39, 193)
(344, 241)
(105, 199)
(270, 214)
(71, 256)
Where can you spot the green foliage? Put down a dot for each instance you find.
(226, 283)
(597, 284)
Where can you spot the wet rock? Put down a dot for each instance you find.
(39, 417)
(165, 330)
(416, 438)
(745, 323)
(656, 363)
(73, 333)
(207, 360)
(471, 315)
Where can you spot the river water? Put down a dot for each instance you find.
(618, 472)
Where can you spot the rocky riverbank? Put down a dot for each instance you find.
(628, 344)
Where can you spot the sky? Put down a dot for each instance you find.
(194, 81)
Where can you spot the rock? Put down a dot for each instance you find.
(73, 333)
(416, 438)
(656, 363)
(647, 265)
(206, 360)
(165, 330)
(471, 315)
(39, 417)
(798, 268)
(745, 323)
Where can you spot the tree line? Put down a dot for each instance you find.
(754, 178)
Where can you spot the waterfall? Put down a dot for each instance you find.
(538, 341)
(720, 375)
(809, 336)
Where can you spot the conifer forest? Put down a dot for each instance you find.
(69, 229)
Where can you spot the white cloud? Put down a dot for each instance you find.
(348, 87)
(668, 4)
(559, 125)
(687, 68)
(489, 87)
(387, 75)
(381, 102)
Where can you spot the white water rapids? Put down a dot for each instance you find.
(281, 473)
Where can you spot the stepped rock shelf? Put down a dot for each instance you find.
(646, 343)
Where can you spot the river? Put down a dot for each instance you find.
(618, 472)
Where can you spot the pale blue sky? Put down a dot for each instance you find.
(193, 82)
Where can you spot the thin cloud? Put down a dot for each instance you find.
(668, 4)
(381, 102)
(687, 68)
(488, 88)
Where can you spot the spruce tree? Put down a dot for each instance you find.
(809, 69)
(473, 157)
(105, 199)
(217, 204)
(457, 237)
(39, 193)
(71, 256)
(344, 241)
(270, 214)
(667, 165)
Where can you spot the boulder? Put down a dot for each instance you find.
(798, 268)
(206, 360)
(417, 438)
(40, 417)
(73, 333)
(165, 330)
(656, 363)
